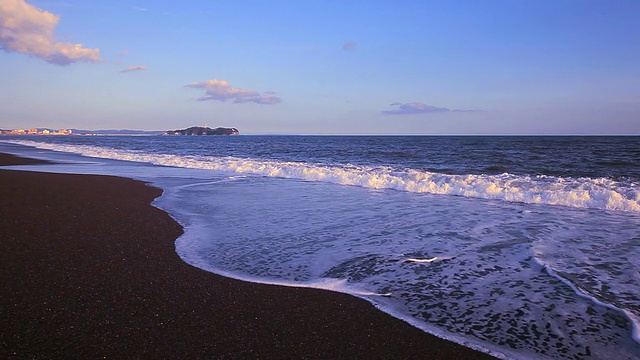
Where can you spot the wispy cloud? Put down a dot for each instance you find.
(221, 90)
(29, 30)
(418, 108)
(133, 68)
(349, 46)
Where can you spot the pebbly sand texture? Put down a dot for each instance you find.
(88, 270)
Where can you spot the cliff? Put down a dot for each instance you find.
(201, 130)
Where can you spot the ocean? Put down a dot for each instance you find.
(522, 247)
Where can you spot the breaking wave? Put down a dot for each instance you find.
(589, 193)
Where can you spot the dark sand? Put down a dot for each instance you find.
(88, 270)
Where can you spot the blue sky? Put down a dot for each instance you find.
(323, 67)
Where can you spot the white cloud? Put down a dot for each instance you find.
(134, 68)
(29, 30)
(221, 90)
(418, 108)
(413, 108)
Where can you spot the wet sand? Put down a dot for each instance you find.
(88, 270)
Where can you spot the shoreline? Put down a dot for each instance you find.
(90, 270)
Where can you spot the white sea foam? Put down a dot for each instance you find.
(341, 285)
(422, 260)
(634, 319)
(598, 193)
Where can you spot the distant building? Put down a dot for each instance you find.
(34, 131)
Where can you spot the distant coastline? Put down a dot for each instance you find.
(76, 132)
(194, 130)
(35, 131)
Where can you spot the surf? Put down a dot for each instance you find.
(582, 193)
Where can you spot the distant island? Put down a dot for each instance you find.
(203, 130)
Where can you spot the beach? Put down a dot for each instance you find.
(89, 270)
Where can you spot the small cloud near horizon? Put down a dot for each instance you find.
(418, 108)
(134, 68)
(29, 30)
(349, 45)
(221, 90)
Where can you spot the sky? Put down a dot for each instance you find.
(323, 67)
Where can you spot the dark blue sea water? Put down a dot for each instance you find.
(523, 247)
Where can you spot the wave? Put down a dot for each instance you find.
(587, 193)
(631, 316)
